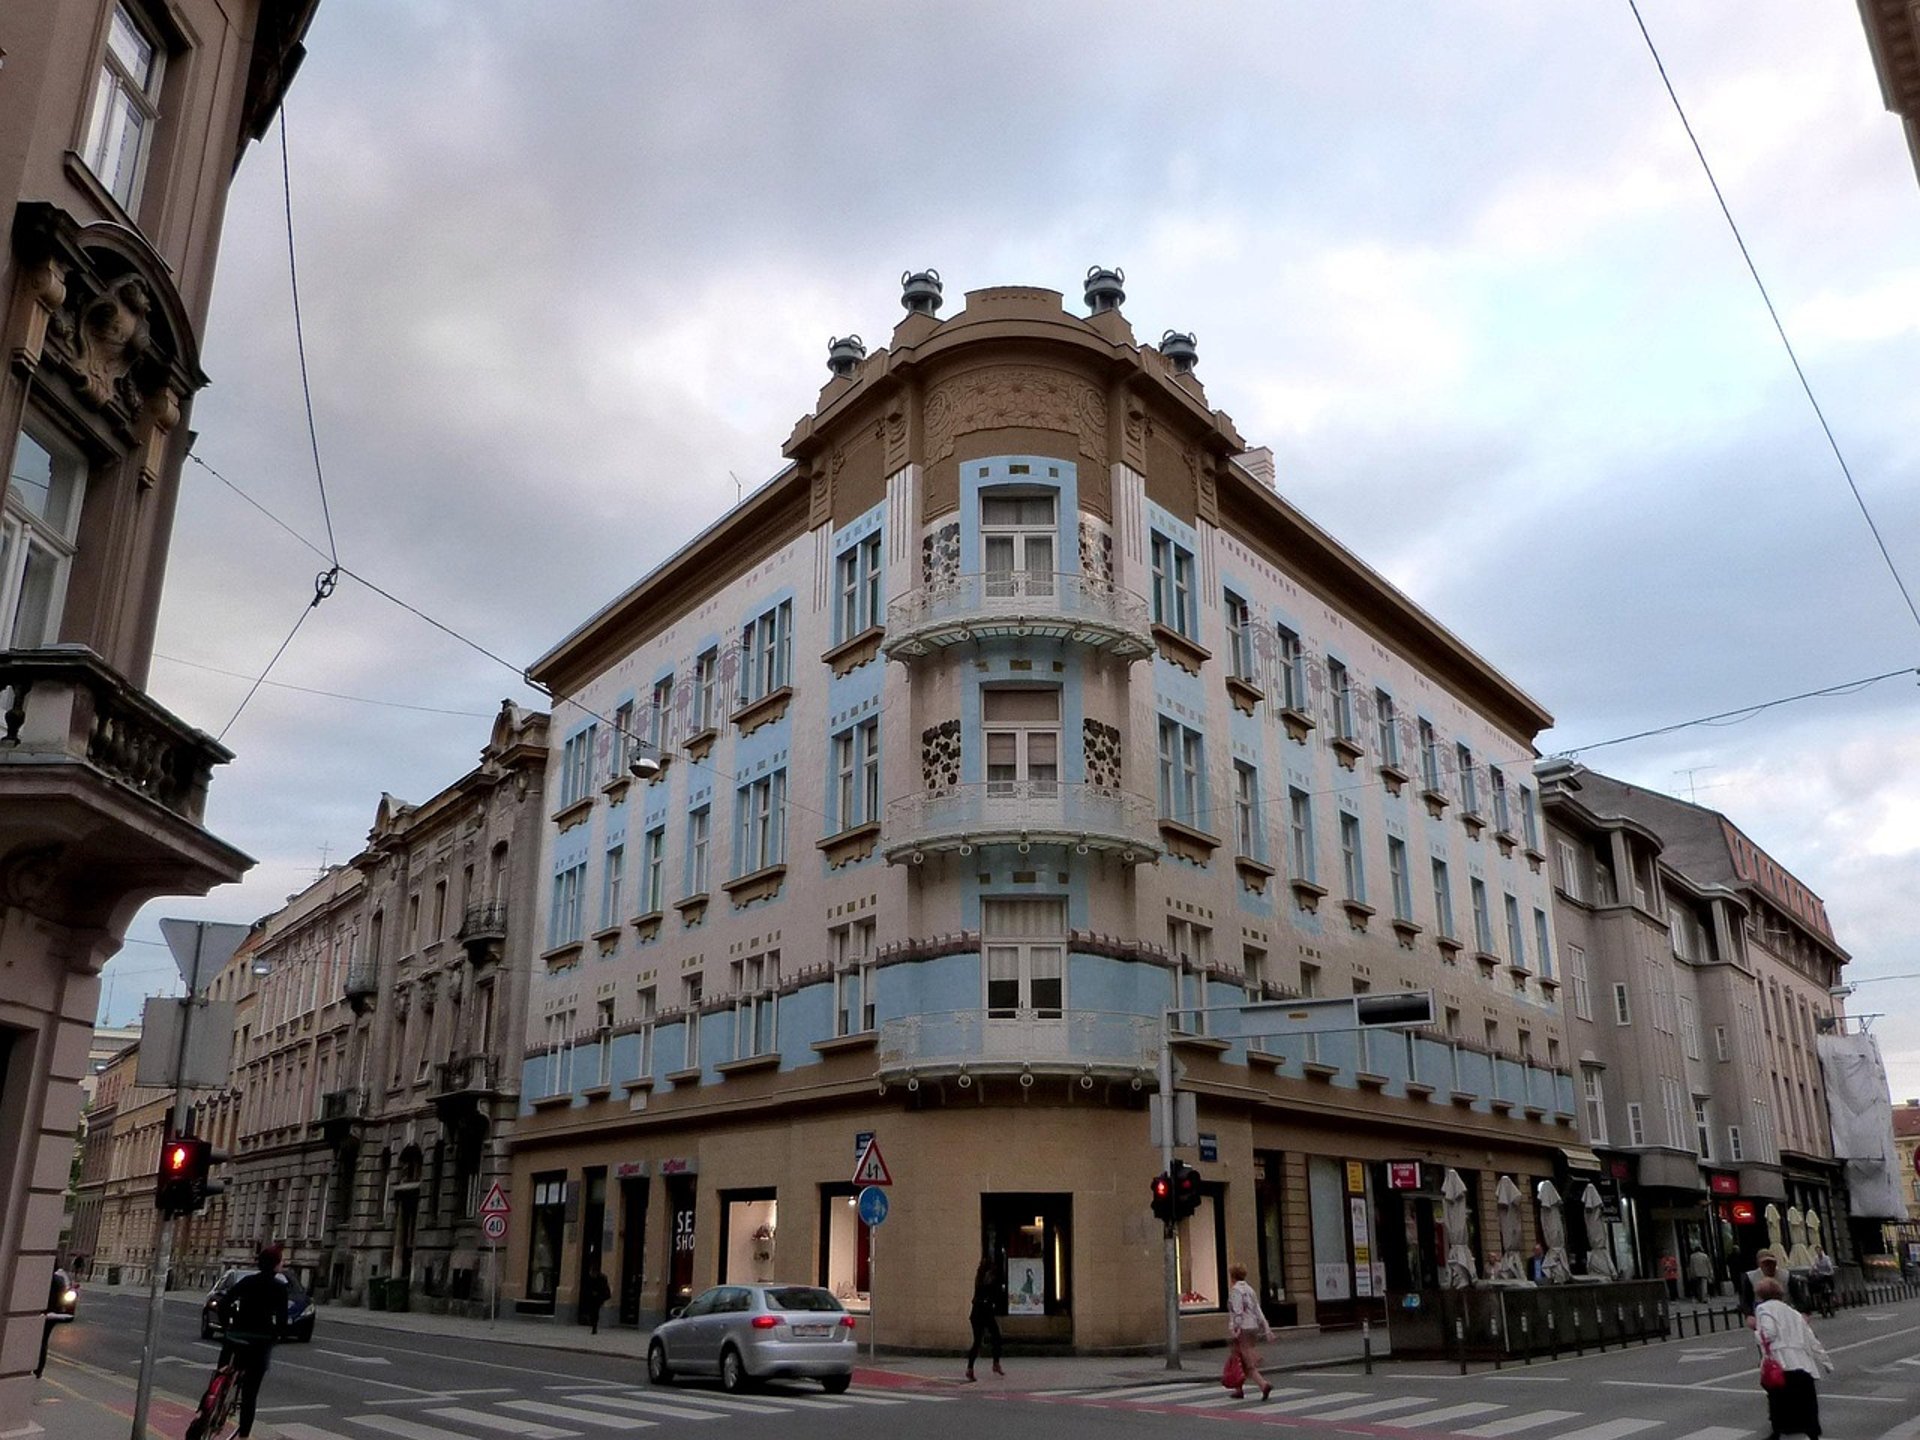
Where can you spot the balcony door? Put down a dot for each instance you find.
(1022, 732)
(1018, 536)
(1025, 949)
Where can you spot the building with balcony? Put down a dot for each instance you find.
(124, 121)
(1698, 973)
(1016, 711)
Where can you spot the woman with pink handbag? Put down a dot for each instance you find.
(1789, 1354)
(1248, 1327)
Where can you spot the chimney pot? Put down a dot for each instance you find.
(844, 354)
(920, 291)
(1103, 289)
(1179, 350)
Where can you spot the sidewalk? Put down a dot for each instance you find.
(80, 1402)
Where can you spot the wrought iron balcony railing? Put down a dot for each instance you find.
(342, 1105)
(483, 921)
(466, 1075)
(1022, 813)
(1080, 608)
(977, 1042)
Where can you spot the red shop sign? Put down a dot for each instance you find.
(1724, 1184)
(1403, 1174)
(1743, 1212)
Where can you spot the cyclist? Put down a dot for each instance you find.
(256, 1318)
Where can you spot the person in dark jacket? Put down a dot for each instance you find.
(984, 1315)
(593, 1294)
(60, 1298)
(256, 1320)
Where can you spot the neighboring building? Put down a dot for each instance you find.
(1893, 38)
(123, 123)
(108, 1041)
(105, 1086)
(1906, 1144)
(1015, 710)
(1699, 973)
(80, 1227)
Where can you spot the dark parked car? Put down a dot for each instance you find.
(745, 1333)
(213, 1317)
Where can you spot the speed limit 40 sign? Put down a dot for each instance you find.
(494, 1227)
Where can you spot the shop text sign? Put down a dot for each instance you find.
(1403, 1174)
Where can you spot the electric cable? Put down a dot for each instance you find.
(329, 694)
(1744, 712)
(300, 340)
(322, 587)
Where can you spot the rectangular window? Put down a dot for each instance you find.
(1596, 1105)
(625, 742)
(1191, 948)
(1386, 729)
(1636, 1124)
(1021, 731)
(1502, 813)
(856, 775)
(567, 918)
(1735, 1152)
(1469, 784)
(1482, 917)
(1340, 683)
(653, 880)
(756, 989)
(1442, 901)
(761, 824)
(1398, 877)
(1239, 637)
(1542, 944)
(1018, 534)
(576, 766)
(699, 828)
(125, 108)
(857, 588)
(766, 648)
(1353, 864)
(603, 1040)
(1293, 671)
(611, 874)
(1702, 1129)
(706, 681)
(660, 716)
(1720, 1049)
(1246, 810)
(1173, 586)
(1516, 937)
(1622, 1007)
(692, 997)
(645, 1006)
(1529, 820)
(1024, 939)
(853, 978)
(1182, 774)
(1689, 1027)
(1571, 870)
(1300, 822)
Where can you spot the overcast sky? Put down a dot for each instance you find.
(567, 270)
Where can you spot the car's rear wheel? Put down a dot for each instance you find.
(836, 1384)
(303, 1332)
(658, 1371)
(733, 1371)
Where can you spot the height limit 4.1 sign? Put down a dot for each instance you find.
(871, 1167)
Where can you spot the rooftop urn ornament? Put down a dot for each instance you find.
(920, 291)
(1180, 351)
(844, 354)
(1103, 289)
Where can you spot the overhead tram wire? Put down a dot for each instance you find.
(329, 694)
(1779, 328)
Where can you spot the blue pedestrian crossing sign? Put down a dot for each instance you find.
(873, 1205)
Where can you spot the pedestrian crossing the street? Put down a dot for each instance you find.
(585, 1411)
(1303, 1407)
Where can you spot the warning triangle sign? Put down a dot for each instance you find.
(496, 1202)
(871, 1167)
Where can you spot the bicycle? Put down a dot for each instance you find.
(217, 1405)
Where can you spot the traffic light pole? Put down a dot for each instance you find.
(163, 1246)
(1170, 1261)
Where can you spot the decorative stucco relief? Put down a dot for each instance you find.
(1024, 395)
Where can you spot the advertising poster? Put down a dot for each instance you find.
(1026, 1287)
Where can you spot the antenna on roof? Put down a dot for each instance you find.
(736, 486)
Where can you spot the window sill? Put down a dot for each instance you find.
(647, 926)
(1396, 779)
(616, 788)
(551, 1102)
(761, 884)
(1501, 1107)
(1347, 751)
(751, 1063)
(1245, 695)
(562, 957)
(1307, 895)
(1319, 1070)
(1448, 947)
(850, 654)
(1254, 874)
(1437, 802)
(567, 816)
(693, 909)
(1463, 1098)
(768, 708)
(1419, 1090)
(841, 1044)
(1535, 858)
(596, 1092)
(1368, 1080)
(1519, 972)
(607, 934)
(1549, 984)
(1408, 931)
(1199, 1042)
(1266, 1059)
(1487, 960)
(1299, 724)
(1187, 843)
(699, 744)
(854, 843)
(1507, 842)
(1534, 1112)
(679, 1078)
(1358, 914)
(1188, 654)
(640, 1085)
(1474, 821)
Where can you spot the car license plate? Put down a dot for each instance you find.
(812, 1332)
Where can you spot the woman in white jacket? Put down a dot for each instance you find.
(1783, 1332)
(1248, 1326)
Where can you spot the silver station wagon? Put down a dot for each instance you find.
(748, 1333)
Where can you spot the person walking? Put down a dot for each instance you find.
(593, 1294)
(1766, 1267)
(1783, 1334)
(1823, 1278)
(256, 1315)
(983, 1315)
(1247, 1324)
(60, 1298)
(1700, 1272)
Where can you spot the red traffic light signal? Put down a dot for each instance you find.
(183, 1187)
(1186, 1190)
(176, 1160)
(1163, 1197)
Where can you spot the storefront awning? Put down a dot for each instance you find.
(1581, 1158)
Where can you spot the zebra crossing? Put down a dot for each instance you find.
(1425, 1414)
(583, 1409)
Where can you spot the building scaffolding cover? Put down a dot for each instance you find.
(1860, 1109)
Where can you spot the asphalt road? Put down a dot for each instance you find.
(360, 1383)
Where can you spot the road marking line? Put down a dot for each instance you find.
(1513, 1425)
(723, 1402)
(407, 1429)
(1374, 1407)
(583, 1417)
(1718, 1432)
(1443, 1414)
(1314, 1402)
(851, 1399)
(651, 1407)
(1609, 1430)
(288, 1409)
(527, 1429)
(295, 1430)
(1154, 1392)
(1219, 1400)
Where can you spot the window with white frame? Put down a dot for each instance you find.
(756, 992)
(1239, 637)
(1469, 779)
(704, 714)
(1173, 586)
(1596, 1098)
(1482, 916)
(603, 1039)
(660, 716)
(1702, 1129)
(612, 872)
(1340, 688)
(1398, 878)
(1689, 1027)
(1018, 538)
(1442, 901)
(1293, 669)
(1386, 728)
(857, 604)
(1020, 728)
(567, 917)
(1636, 1124)
(1579, 983)
(576, 765)
(1182, 772)
(1735, 1152)
(1572, 870)
(1516, 937)
(1190, 947)
(766, 650)
(1502, 812)
(653, 875)
(1429, 755)
(856, 770)
(1246, 810)
(1529, 820)
(1025, 943)
(1622, 1006)
(692, 997)
(853, 973)
(1300, 833)
(1542, 944)
(699, 837)
(126, 106)
(625, 742)
(1353, 860)
(1720, 1045)
(1253, 965)
(760, 828)
(1673, 1111)
(645, 1007)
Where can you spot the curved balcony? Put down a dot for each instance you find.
(1078, 608)
(1022, 813)
(977, 1042)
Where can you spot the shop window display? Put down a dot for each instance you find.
(846, 1248)
(752, 1222)
(1202, 1258)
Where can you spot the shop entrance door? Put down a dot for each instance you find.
(593, 1224)
(633, 1248)
(1267, 1193)
(680, 1240)
(1030, 1238)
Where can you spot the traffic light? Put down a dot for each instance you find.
(1163, 1197)
(1186, 1190)
(185, 1180)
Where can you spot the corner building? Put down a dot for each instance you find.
(1016, 710)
